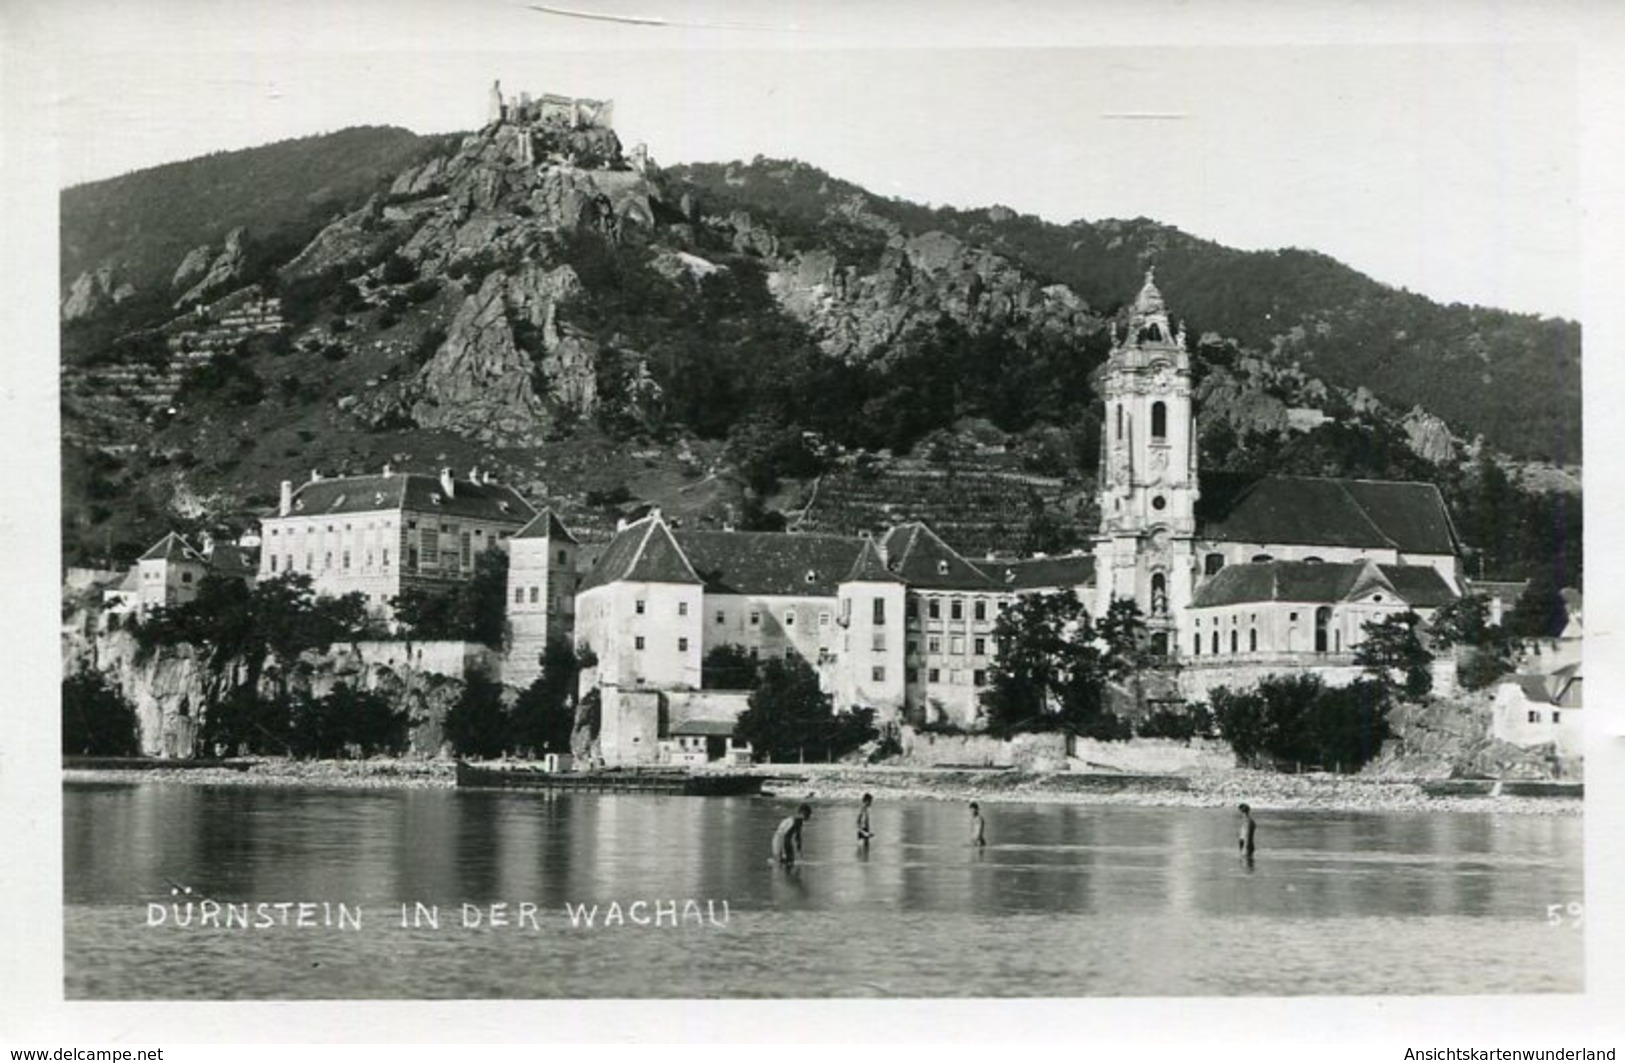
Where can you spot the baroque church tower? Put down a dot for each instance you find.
(1148, 486)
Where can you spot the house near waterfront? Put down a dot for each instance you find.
(171, 570)
(379, 534)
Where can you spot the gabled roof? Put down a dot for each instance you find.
(1308, 510)
(545, 525)
(915, 553)
(1419, 586)
(870, 567)
(410, 491)
(775, 563)
(1041, 573)
(173, 548)
(641, 553)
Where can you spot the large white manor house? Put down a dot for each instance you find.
(1237, 577)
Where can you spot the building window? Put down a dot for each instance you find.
(911, 675)
(913, 647)
(823, 619)
(1159, 421)
(979, 609)
(682, 608)
(1323, 620)
(979, 677)
(880, 611)
(931, 675)
(186, 577)
(933, 645)
(519, 596)
(1252, 641)
(933, 609)
(1196, 646)
(637, 642)
(562, 558)
(1215, 642)
(878, 673)
(1159, 503)
(638, 607)
(1556, 716)
(1534, 715)
(789, 653)
(273, 562)
(979, 647)
(789, 618)
(682, 645)
(1212, 563)
(1119, 408)
(287, 561)
(722, 617)
(535, 593)
(755, 617)
(327, 561)
(956, 646)
(956, 609)
(1262, 559)
(1235, 645)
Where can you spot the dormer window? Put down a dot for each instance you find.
(1009, 575)
(942, 568)
(434, 498)
(502, 505)
(811, 576)
(378, 498)
(339, 501)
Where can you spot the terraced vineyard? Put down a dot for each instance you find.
(977, 507)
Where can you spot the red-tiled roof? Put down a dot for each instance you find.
(914, 552)
(870, 567)
(411, 491)
(1041, 573)
(642, 553)
(172, 548)
(770, 562)
(1420, 586)
(1307, 510)
(545, 525)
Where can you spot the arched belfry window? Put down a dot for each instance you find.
(1159, 420)
(1119, 422)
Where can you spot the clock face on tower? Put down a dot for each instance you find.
(1162, 375)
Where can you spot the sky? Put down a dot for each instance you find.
(1440, 154)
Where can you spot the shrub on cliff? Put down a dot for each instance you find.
(97, 720)
(545, 714)
(478, 725)
(346, 721)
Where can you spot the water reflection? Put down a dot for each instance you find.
(1064, 900)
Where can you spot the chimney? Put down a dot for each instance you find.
(285, 505)
(315, 476)
(448, 486)
(620, 525)
(654, 514)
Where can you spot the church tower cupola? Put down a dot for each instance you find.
(1148, 487)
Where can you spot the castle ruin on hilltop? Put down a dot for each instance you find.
(564, 112)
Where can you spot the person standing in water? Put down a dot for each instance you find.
(978, 833)
(1244, 842)
(864, 833)
(787, 839)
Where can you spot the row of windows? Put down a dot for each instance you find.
(933, 609)
(788, 618)
(1159, 416)
(955, 676)
(327, 561)
(956, 646)
(556, 602)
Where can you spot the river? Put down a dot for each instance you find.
(1064, 900)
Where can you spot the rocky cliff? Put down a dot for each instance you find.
(94, 291)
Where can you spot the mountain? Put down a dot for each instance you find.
(1512, 378)
(140, 226)
(758, 345)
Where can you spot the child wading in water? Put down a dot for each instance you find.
(1244, 842)
(864, 833)
(787, 839)
(978, 835)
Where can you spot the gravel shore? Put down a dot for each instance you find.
(825, 782)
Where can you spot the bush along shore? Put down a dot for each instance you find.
(837, 782)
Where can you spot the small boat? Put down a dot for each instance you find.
(629, 780)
